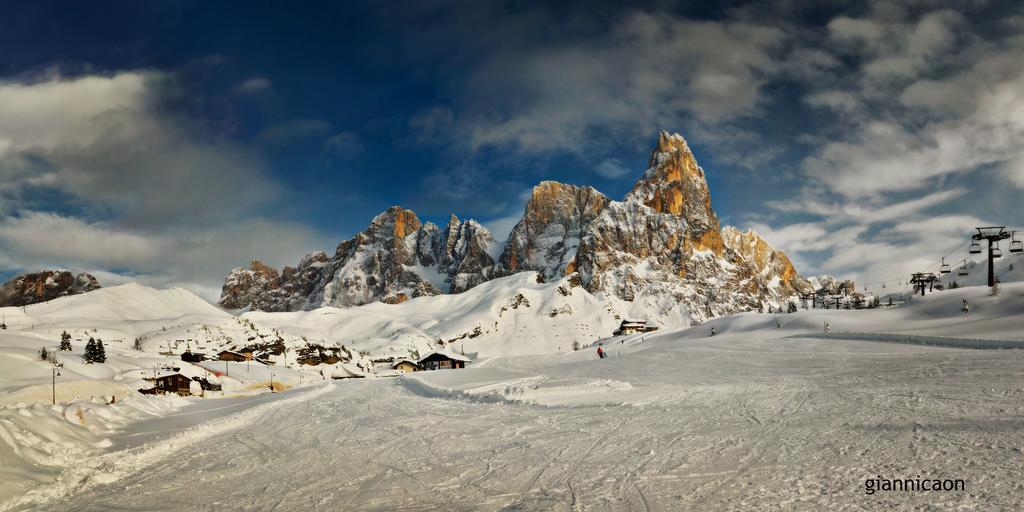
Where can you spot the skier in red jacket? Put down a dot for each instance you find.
(600, 352)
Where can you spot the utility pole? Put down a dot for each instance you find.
(993, 234)
(53, 383)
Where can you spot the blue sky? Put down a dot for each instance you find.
(171, 141)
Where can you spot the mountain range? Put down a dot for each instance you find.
(660, 252)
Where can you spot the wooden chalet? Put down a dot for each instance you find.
(443, 360)
(169, 383)
(633, 327)
(231, 355)
(193, 357)
(406, 366)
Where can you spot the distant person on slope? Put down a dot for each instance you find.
(714, 331)
(600, 352)
(828, 328)
(967, 307)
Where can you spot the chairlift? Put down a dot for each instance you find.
(975, 248)
(963, 269)
(996, 253)
(944, 268)
(1015, 245)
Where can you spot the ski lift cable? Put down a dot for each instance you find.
(933, 265)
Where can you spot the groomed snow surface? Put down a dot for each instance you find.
(755, 418)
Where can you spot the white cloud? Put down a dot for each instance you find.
(254, 85)
(652, 71)
(344, 144)
(189, 257)
(104, 140)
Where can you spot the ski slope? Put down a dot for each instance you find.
(755, 418)
(513, 315)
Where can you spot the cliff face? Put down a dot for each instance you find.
(43, 286)
(660, 248)
(662, 244)
(396, 258)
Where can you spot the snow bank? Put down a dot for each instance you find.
(83, 468)
(41, 440)
(495, 386)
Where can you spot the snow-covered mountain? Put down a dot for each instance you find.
(43, 286)
(660, 252)
(396, 258)
(513, 315)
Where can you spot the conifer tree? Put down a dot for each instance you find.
(90, 351)
(65, 341)
(101, 355)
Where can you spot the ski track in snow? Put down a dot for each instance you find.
(783, 424)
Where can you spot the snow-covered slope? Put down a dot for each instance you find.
(756, 417)
(517, 314)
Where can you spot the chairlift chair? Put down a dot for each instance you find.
(975, 248)
(963, 270)
(944, 268)
(996, 253)
(1015, 245)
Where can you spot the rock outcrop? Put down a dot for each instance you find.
(396, 258)
(662, 245)
(661, 248)
(45, 285)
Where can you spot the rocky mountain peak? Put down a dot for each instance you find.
(395, 223)
(394, 259)
(263, 270)
(45, 285)
(674, 184)
(661, 249)
(547, 236)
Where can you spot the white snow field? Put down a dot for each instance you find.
(755, 418)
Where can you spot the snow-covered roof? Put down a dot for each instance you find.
(163, 375)
(400, 361)
(449, 355)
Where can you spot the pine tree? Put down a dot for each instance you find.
(101, 355)
(138, 344)
(65, 341)
(90, 351)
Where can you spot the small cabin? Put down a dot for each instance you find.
(231, 355)
(405, 366)
(193, 357)
(441, 360)
(169, 383)
(633, 327)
